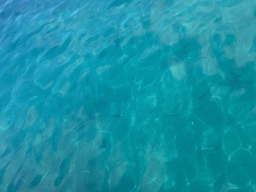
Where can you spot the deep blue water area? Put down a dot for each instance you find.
(127, 96)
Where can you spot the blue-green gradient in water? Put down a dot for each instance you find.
(127, 96)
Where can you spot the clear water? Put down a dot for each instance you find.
(127, 96)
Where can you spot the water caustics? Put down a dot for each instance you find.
(128, 96)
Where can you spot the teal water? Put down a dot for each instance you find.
(127, 96)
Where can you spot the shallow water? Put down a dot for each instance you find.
(127, 96)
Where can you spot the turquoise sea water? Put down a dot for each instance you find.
(128, 96)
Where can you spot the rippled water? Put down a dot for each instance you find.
(127, 96)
